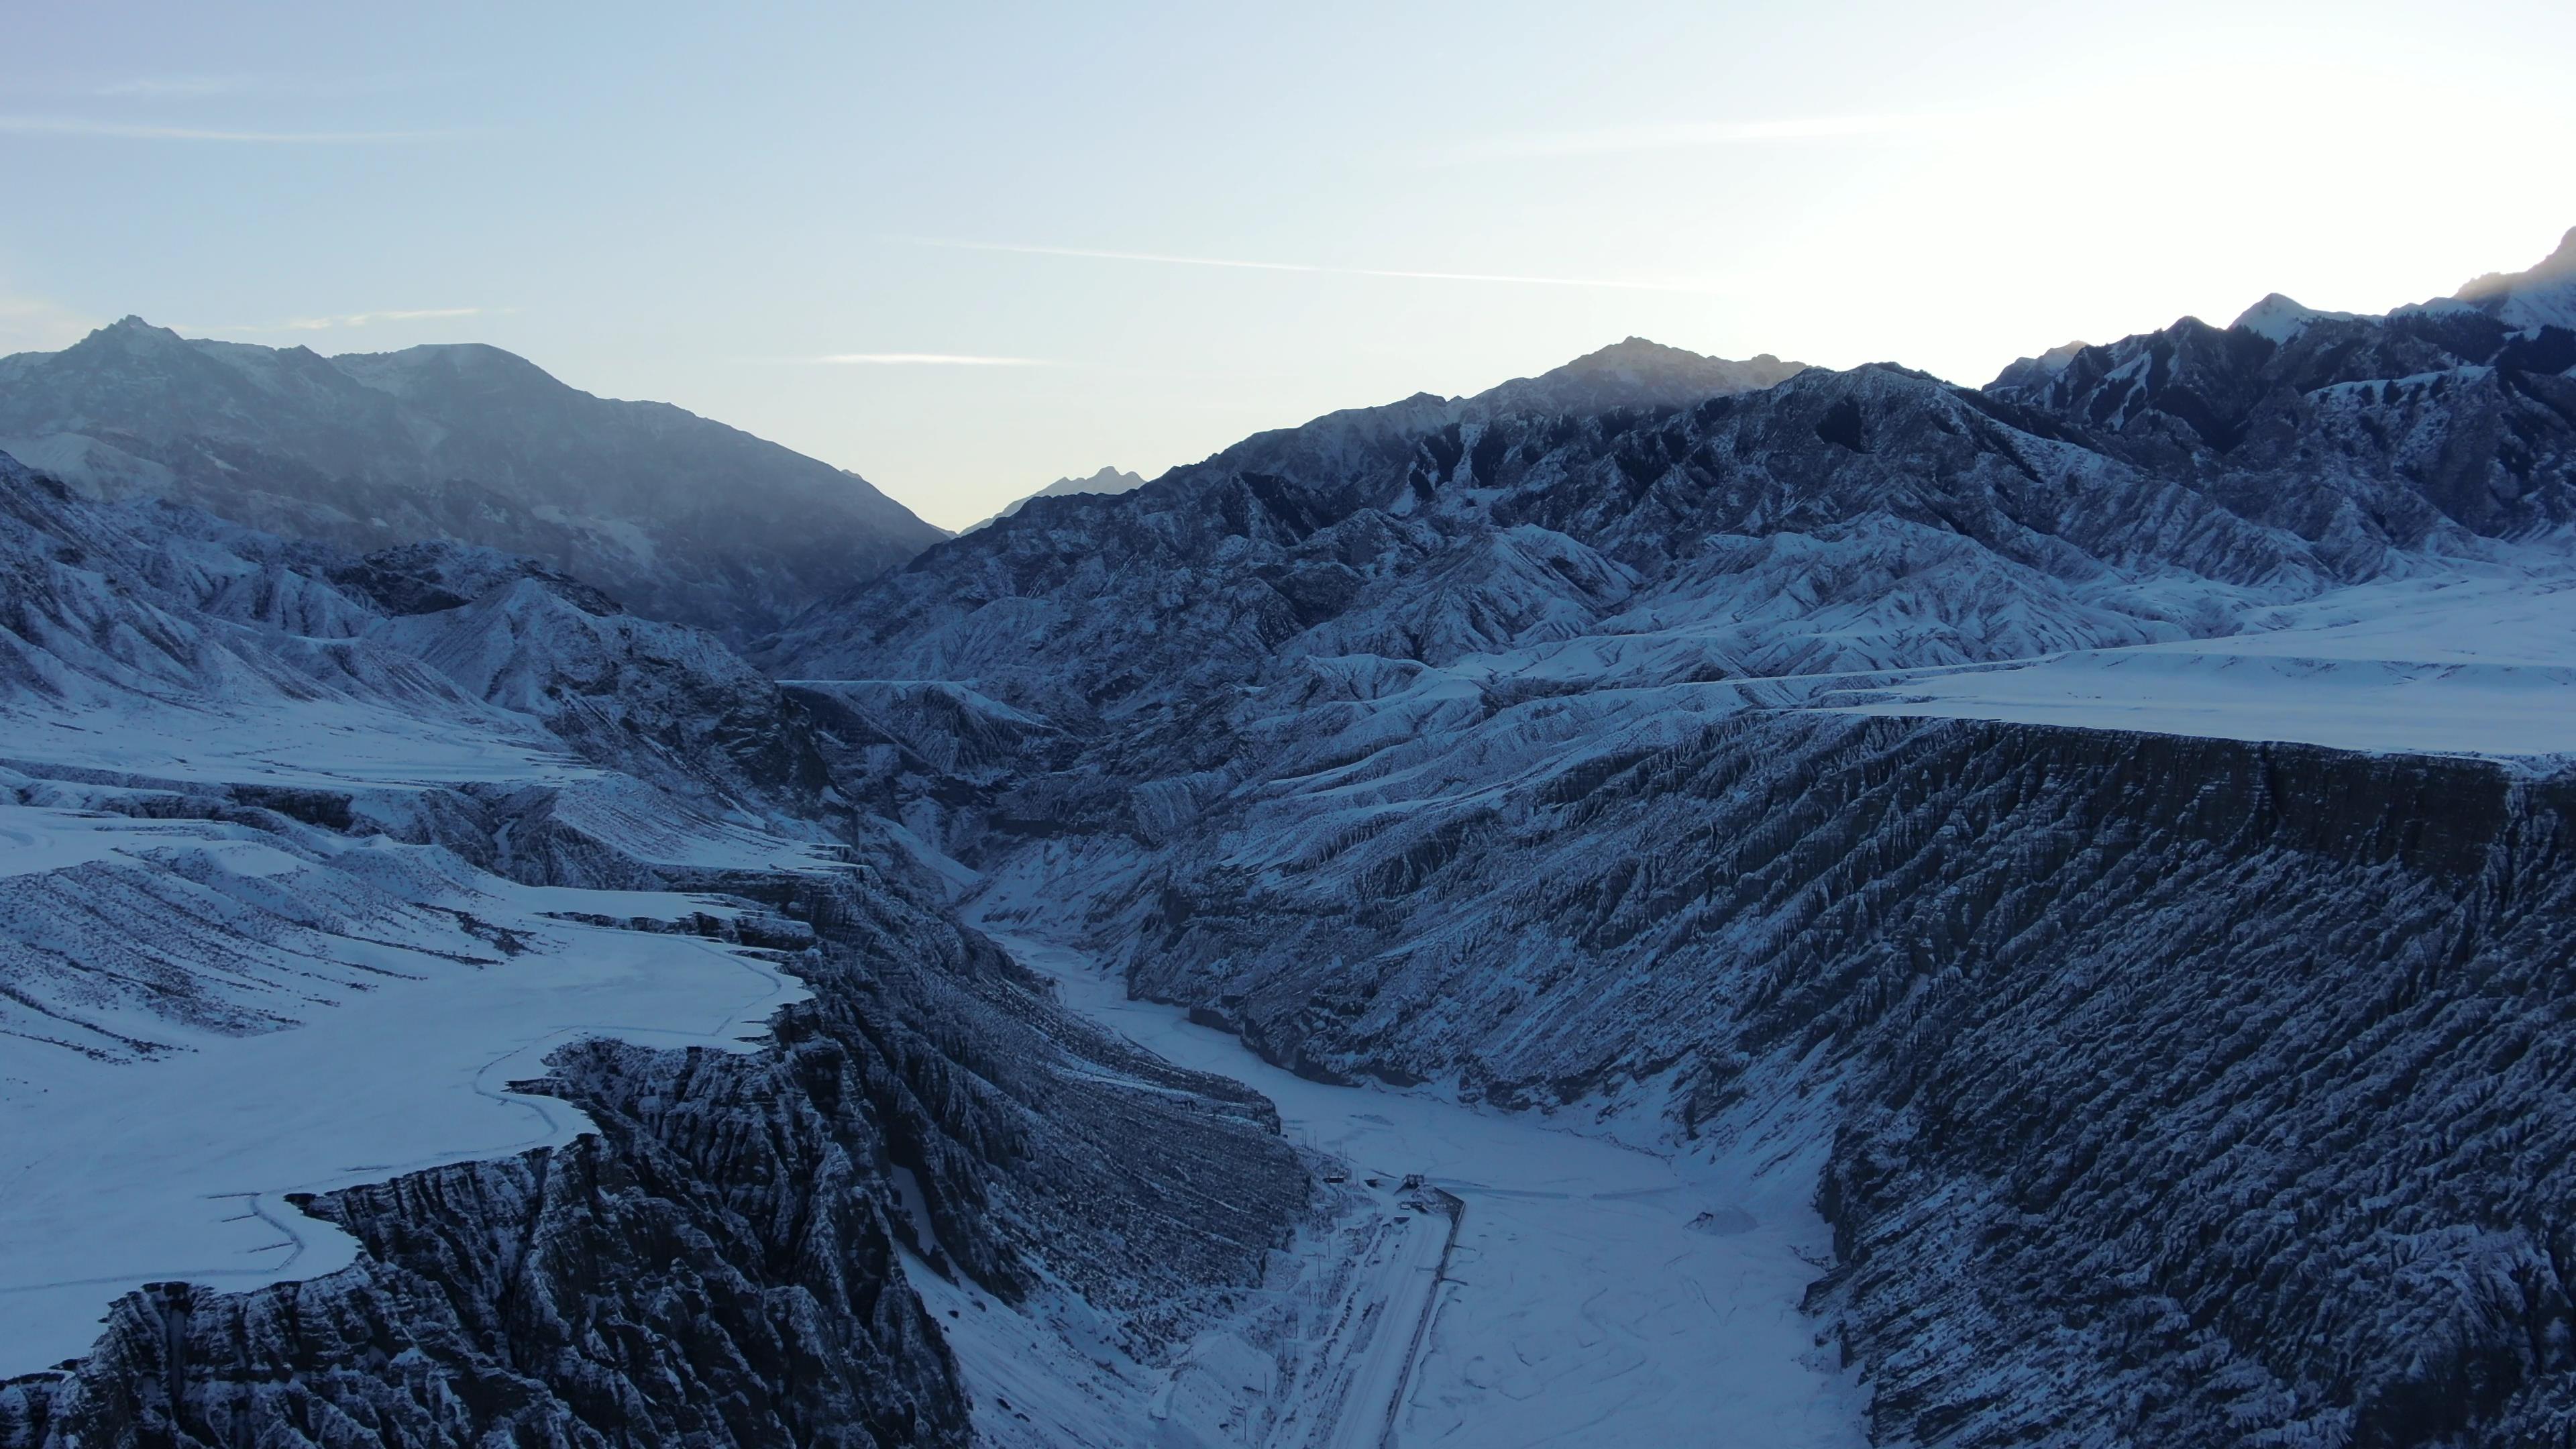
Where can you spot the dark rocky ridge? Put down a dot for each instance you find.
(2230, 469)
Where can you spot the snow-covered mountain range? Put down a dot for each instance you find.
(2041, 806)
(1671, 901)
(678, 517)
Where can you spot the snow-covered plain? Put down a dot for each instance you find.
(1599, 1292)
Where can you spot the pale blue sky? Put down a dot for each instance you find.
(669, 202)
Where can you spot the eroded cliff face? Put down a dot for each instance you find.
(719, 1263)
(2185, 1091)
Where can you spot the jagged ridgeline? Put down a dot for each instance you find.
(2133, 797)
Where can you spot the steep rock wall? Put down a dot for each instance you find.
(2189, 1091)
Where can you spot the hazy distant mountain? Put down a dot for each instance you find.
(1637, 373)
(1628, 374)
(677, 516)
(1107, 480)
(2543, 295)
(1409, 452)
(2539, 297)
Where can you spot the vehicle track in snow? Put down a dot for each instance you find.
(1585, 1308)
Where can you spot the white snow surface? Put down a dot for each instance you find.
(1599, 1291)
(2280, 319)
(2482, 666)
(344, 1024)
(131, 1172)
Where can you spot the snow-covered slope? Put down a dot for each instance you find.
(2064, 882)
(680, 517)
(2128, 802)
(434, 1001)
(2540, 296)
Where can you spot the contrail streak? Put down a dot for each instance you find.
(1170, 259)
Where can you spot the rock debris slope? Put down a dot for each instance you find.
(440, 1007)
(680, 517)
(2195, 1056)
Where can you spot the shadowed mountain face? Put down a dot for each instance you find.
(1353, 505)
(678, 517)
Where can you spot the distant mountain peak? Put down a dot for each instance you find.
(1638, 372)
(2559, 266)
(2280, 318)
(130, 330)
(2542, 295)
(683, 518)
(1645, 352)
(1633, 347)
(1107, 480)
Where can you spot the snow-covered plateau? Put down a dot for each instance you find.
(180, 1168)
(2449, 665)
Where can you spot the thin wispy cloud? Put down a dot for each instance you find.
(1693, 134)
(202, 85)
(127, 131)
(361, 319)
(923, 359)
(177, 87)
(1317, 268)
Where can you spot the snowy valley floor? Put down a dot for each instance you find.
(1597, 1293)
